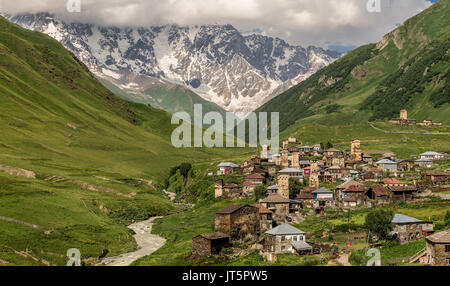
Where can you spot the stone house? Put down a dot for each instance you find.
(344, 186)
(438, 248)
(292, 173)
(210, 244)
(248, 188)
(367, 158)
(367, 176)
(378, 194)
(387, 165)
(323, 197)
(306, 199)
(424, 163)
(256, 179)
(403, 194)
(238, 221)
(285, 239)
(391, 182)
(432, 155)
(350, 202)
(354, 195)
(279, 205)
(405, 165)
(227, 168)
(272, 190)
(265, 218)
(408, 229)
(436, 177)
(228, 190)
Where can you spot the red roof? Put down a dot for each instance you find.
(305, 196)
(391, 181)
(248, 184)
(308, 168)
(350, 199)
(254, 177)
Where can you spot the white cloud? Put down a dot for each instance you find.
(303, 21)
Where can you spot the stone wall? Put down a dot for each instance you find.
(243, 223)
(438, 254)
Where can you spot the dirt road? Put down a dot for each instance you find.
(147, 242)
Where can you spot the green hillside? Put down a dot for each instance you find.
(75, 160)
(408, 69)
(166, 96)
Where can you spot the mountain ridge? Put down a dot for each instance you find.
(217, 62)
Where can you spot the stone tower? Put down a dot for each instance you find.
(403, 114)
(284, 159)
(314, 177)
(283, 186)
(356, 154)
(218, 189)
(296, 160)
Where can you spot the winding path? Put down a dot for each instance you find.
(147, 242)
(409, 132)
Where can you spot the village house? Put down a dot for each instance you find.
(227, 168)
(403, 194)
(367, 158)
(271, 168)
(292, 173)
(323, 197)
(210, 244)
(279, 205)
(304, 164)
(350, 202)
(424, 163)
(389, 156)
(228, 190)
(339, 189)
(265, 218)
(256, 179)
(436, 177)
(326, 177)
(307, 171)
(387, 165)
(238, 221)
(248, 188)
(306, 199)
(354, 195)
(286, 239)
(429, 122)
(432, 156)
(378, 194)
(332, 152)
(367, 176)
(438, 248)
(405, 165)
(403, 120)
(407, 229)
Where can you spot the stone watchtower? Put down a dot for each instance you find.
(283, 186)
(314, 177)
(218, 189)
(285, 158)
(296, 160)
(356, 154)
(403, 114)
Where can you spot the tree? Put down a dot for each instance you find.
(260, 192)
(184, 169)
(329, 145)
(294, 186)
(447, 219)
(322, 146)
(379, 222)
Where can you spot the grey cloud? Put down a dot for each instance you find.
(306, 22)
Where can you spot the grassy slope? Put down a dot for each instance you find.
(349, 82)
(58, 121)
(169, 97)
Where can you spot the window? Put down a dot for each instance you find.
(283, 238)
(283, 248)
(447, 261)
(294, 238)
(447, 248)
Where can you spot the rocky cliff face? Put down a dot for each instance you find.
(237, 72)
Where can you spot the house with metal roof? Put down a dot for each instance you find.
(285, 239)
(431, 155)
(438, 248)
(424, 162)
(226, 168)
(407, 229)
(387, 165)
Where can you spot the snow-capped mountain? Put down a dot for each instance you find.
(237, 72)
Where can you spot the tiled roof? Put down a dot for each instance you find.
(248, 184)
(437, 173)
(391, 181)
(402, 189)
(285, 229)
(275, 198)
(379, 191)
(350, 199)
(348, 184)
(262, 209)
(440, 237)
(305, 196)
(355, 189)
(254, 176)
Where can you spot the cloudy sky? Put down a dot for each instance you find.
(306, 22)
